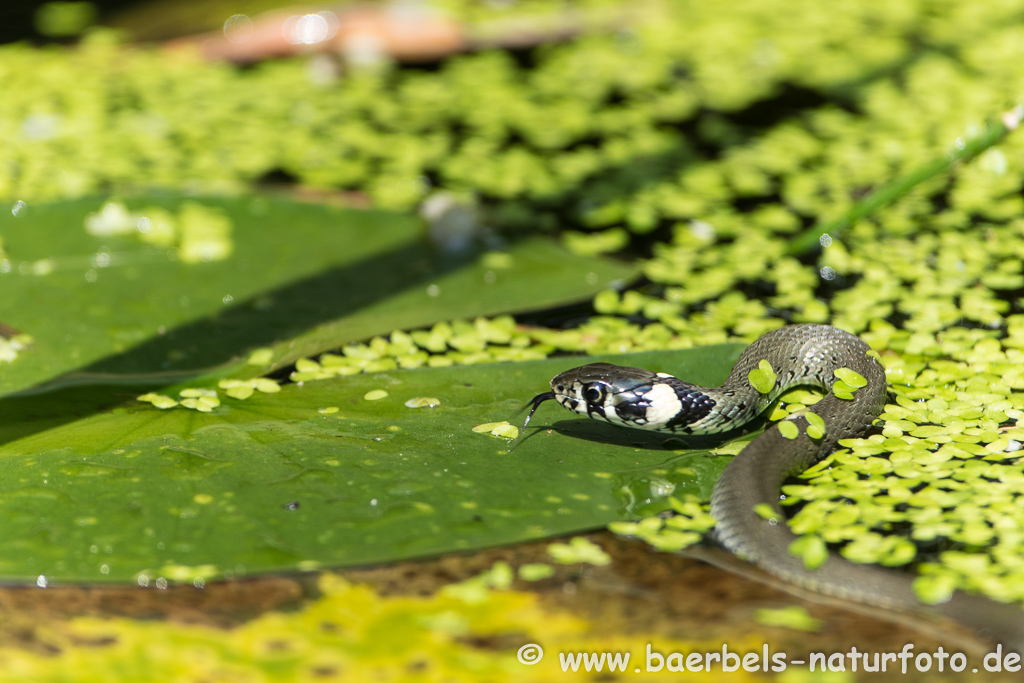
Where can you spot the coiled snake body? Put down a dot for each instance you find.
(800, 355)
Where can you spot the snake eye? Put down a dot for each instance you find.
(594, 393)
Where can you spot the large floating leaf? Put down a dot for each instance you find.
(307, 277)
(273, 482)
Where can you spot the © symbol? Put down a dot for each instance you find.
(530, 654)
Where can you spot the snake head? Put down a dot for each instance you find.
(588, 389)
(631, 397)
(615, 393)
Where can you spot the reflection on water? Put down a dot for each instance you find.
(689, 468)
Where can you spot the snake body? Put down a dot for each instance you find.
(806, 355)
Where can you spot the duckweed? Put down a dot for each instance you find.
(10, 347)
(762, 377)
(765, 511)
(205, 234)
(199, 233)
(203, 400)
(242, 389)
(579, 550)
(337, 636)
(260, 357)
(811, 549)
(540, 131)
(788, 430)
(536, 571)
(841, 389)
(690, 521)
(506, 431)
(501, 430)
(949, 472)
(816, 428)
(478, 588)
(851, 378)
(158, 400)
(793, 617)
(933, 589)
(423, 402)
(447, 343)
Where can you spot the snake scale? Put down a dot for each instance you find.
(805, 355)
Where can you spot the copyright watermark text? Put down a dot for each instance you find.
(904, 661)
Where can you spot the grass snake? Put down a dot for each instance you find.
(805, 355)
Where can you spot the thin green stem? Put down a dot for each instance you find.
(823, 233)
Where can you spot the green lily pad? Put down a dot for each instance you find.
(277, 481)
(299, 278)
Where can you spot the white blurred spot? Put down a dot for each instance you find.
(40, 126)
(452, 224)
(112, 219)
(1011, 119)
(994, 161)
(364, 49)
(310, 29)
(43, 266)
(238, 28)
(323, 69)
(660, 489)
(702, 230)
